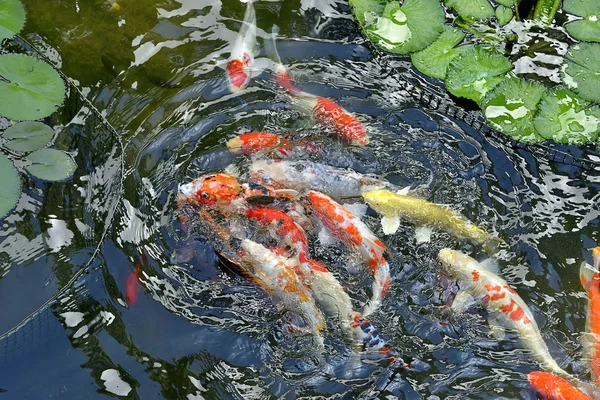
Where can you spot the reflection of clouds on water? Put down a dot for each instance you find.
(114, 384)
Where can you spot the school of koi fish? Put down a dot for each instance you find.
(261, 223)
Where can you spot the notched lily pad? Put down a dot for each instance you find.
(407, 28)
(504, 15)
(28, 136)
(29, 88)
(565, 118)
(434, 59)
(510, 108)
(11, 186)
(587, 29)
(472, 9)
(51, 165)
(12, 18)
(581, 70)
(475, 72)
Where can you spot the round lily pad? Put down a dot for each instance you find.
(11, 186)
(472, 9)
(583, 8)
(434, 59)
(510, 108)
(12, 18)
(565, 118)
(581, 70)
(51, 165)
(476, 71)
(504, 15)
(366, 9)
(507, 3)
(29, 88)
(28, 136)
(587, 29)
(407, 28)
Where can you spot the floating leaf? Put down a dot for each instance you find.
(587, 29)
(407, 28)
(29, 88)
(507, 3)
(28, 136)
(504, 15)
(12, 18)
(51, 164)
(510, 108)
(472, 9)
(581, 70)
(583, 8)
(11, 186)
(366, 9)
(565, 118)
(434, 59)
(475, 72)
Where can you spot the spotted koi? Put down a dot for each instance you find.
(252, 143)
(242, 58)
(502, 302)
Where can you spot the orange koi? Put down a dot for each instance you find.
(132, 285)
(590, 279)
(552, 387)
(258, 143)
(354, 233)
(505, 307)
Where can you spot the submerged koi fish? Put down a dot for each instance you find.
(279, 275)
(506, 309)
(326, 111)
(242, 52)
(354, 233)
(252, 143)
(132, 285)
(392, 206)
(590, 279)
(305, 175)
(552, 387)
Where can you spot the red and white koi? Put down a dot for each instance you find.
(133, 285)
(242, 52)
(281, 279)
(305, 175)
(327, 112)
(552, 387)
(505, 307)
(253, 143)
(590, 279)
(348, 228)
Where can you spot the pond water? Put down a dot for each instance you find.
(197, 331)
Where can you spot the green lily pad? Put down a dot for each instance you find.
(407, 28)
(565, 118)
(510, 108)
(366, 9)
(51, 165)
(11, 186)
(507, 3)
(504, 15)
(434, 59)
(472, 9)
(28, 136)
(581, 70)
(475, 72)
(587, 29)
(29, 88)
(12, 18)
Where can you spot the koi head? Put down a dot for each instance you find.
(213, 190)
(237, 73)
(455, 264)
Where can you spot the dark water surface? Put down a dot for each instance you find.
(198, 332)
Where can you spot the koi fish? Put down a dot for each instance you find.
(590, 279)
(305, 175)
(132, 285)
(422, 212)
(327, 112)
(242, 52)
(252, 143)
(552, 387)
(506, 309)
(279, 275)
(354, 233)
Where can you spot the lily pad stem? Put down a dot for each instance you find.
(544, 12)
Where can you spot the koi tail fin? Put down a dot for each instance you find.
(367, 340)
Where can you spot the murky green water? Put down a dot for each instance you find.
(197, 331)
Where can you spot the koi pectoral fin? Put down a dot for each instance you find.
(390, 225)
(423, 234)
(462, 302)
(496, 329)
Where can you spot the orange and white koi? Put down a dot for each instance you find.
(590, 279)
(252, 143)
(305, 175)
(506, 309)
(327, 112)
(242, 52)
(279, 275)
(354, 233)
(553, 387)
